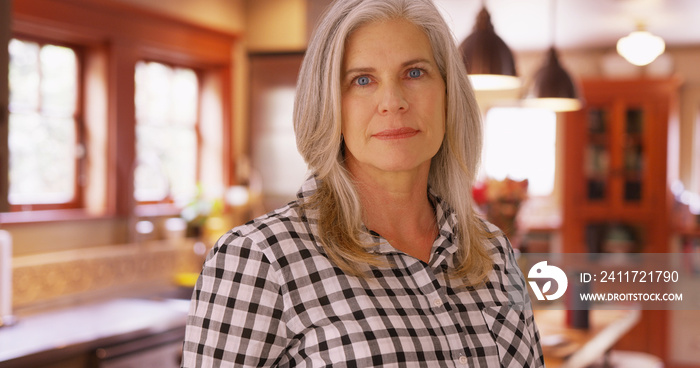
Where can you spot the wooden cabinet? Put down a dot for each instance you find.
(617, 171)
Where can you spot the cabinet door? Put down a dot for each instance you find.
(631, 166)
(597, 156)
(617, 166)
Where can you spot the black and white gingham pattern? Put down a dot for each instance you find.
(268, 296)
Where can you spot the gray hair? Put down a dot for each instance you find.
(317, 121)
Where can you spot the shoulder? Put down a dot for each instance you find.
(506, 274)
(496, 243)
(292, 224)
(277, 238)
(283, 223)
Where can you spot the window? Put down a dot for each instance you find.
(519, 143)
(81, 146)
(166, 133)
(44, 128)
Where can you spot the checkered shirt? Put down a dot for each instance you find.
(269, 296)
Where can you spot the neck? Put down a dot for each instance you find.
(391, 192)
(396, 206)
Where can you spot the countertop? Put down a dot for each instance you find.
(84, 328)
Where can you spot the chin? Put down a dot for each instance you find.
(400, 166)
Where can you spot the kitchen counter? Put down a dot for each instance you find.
(85, 329)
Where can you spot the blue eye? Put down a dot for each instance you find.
(362, 81)
(415, 73)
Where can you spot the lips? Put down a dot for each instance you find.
(399, 133)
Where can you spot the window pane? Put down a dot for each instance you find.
(24, 75)
(42, 159)
(151, 181)
(181, 161)
(58, 79)
(152, 93)
(166, 135)
(184, 96)
(42, 141)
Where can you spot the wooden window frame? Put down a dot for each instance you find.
(120, 35)
(169, 201)
(78, 199)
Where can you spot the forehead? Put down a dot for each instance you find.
(387, 39)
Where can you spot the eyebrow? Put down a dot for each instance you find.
(403, 65)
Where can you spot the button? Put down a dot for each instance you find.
(437, 302)
(463, 360)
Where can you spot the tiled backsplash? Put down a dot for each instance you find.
(52, 277)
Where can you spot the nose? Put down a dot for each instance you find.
(392, 99)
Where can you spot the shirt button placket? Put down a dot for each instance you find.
(437, 303)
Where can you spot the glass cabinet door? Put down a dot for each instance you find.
(633, 156)
(615, 155)
(597, 156)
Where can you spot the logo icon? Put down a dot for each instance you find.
(543, 271)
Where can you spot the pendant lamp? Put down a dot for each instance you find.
(488, 59)
(552, 87)
(640, 47)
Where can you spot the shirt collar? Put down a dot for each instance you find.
(308, 188)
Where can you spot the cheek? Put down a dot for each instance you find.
(354, 114)
(439, 113)
(435, 111)
(442, 110)
(345, 114)
(346, 117)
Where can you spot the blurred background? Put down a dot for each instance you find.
(134, 133)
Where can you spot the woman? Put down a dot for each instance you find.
(381, 260)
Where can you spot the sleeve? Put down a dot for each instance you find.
(235, 316)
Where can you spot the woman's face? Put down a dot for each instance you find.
(393, 98)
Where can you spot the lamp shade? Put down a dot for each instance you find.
(640, 47)
(553, 87)
(488, 59)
